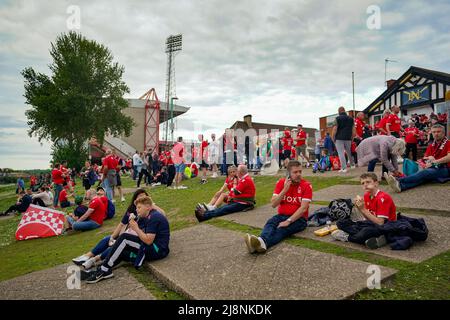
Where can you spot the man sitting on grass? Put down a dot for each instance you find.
(377, 207)
(437, 159)
(243, 198)
(292, 196)
(22, 204)
(221, 196)
(149, 240)
(94, 216)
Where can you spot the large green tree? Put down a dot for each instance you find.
(81, 99)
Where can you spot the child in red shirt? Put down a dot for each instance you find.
(377, 207)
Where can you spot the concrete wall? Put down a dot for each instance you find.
(136, 139)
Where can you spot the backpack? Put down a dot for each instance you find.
(409, 167)
(340, 209)
(111, 211)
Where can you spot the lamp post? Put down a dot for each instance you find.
(171, 117)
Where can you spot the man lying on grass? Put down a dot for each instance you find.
(377, 207)
(148, 239)
(292, 196)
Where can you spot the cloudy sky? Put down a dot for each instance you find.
(284, 62)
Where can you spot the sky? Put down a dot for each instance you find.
(284, 62)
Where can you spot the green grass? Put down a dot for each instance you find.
(427, 280)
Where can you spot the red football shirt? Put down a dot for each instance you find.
(110, 162)
(381, 205)
(382, 124)
(63, 196)
(230, 182)
(99, 212)
(57, 176)
(245, 189)
(395, 123)
(203, 149)
(168, 155)
(292, 200)
(411, 135)
(301, 135)
(439, 150)
(359, 127)
(105, 202)
(287, 143)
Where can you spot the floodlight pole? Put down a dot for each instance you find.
(173, 45)
(171, 118)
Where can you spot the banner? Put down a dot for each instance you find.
(40, 222)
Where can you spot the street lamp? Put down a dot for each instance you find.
(171, 117)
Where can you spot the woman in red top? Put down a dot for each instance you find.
(222, 196)
(411, 135)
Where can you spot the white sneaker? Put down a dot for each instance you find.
(157, 184)
(392, 182)
(258, 244)
(352, 167)
(248, 242)
(122, 199)
(210, 208)
(81, 259)
(214, 175)
(340, 235)
(89, 264)
(343, 170)
(182, 187)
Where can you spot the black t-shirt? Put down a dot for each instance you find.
(345, 126)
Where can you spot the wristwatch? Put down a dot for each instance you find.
(289, 219)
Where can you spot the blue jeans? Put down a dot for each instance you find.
(179, 168)
(83, 225)
(102, 248)
(226, 209)
(272, 235)
(424, 176)
(108, 189)
(58, 189)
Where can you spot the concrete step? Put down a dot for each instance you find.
(438, 238)
(430, 196)
(213, 263)
(51, 284)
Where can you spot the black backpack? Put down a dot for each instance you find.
(340, 209)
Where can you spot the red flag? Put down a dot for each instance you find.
(39, 222)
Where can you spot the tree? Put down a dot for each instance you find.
(83, 98)
(63, 152)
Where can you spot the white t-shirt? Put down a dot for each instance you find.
(136, 159)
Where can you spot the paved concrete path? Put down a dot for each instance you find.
(213, 263)
(51, 284)
(434, 197)
(438, 239)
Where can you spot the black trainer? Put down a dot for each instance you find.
(99, 275)
(199, 216)
(86, 274)
(376, 242)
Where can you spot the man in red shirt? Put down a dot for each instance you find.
(203, 157)
(300, 144)
(359, 127)
(109, 179)
(64, 198)
(393, 123)
(242, 199)
(287, 143)
(411, 135)
(94, 216)
(377, 207)
(437, 159)
(382, 123)
(58, 181)
(178, 154)
(292, 196)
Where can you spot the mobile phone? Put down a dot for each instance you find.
(288, 175)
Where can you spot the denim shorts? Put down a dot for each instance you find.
(179, 168)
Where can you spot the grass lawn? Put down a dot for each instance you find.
(427, 280)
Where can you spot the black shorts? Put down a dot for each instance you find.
(119, 180)
(203, 165)
(286, 154)
(86, 184)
